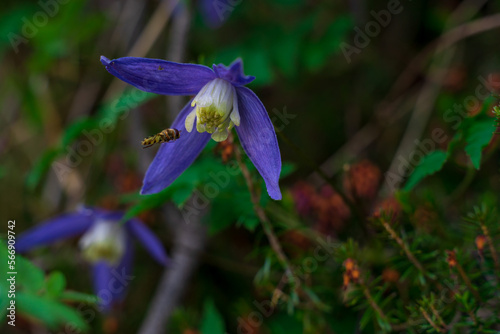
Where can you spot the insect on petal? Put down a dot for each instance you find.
(173, 159)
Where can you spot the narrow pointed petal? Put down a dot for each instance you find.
(102, 279)
(125, 270)
(160, 76)
(62, 227)
(173, 158)
(257, 136)
(111, 283)
(190, 121)
(234, 73)
(148, 240)
(235, 115)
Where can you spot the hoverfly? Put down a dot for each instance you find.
(167, 135)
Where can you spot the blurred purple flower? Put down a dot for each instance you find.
(216, 12)
(105, 243)
(221, 102)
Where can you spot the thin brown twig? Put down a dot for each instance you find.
(493, 252)
(145, 41)
(385, 116)
(430, 321)
(266, 224)
(190, 241)
(437, 315)
(403, 246)
(371, 131)
(442, 43)
(468, 282)
(429, 92)
(372, 301)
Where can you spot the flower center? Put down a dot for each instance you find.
(216, 109)
(105, 240)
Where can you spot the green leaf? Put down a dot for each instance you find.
(147, 202)
(10, 34)
(212, 322)
(365, 319)
(75, 296)
(478, 137)
(41, 167)
(231, 207)
(75, 129)
(285, 52)
(29, 277)
(250, 223)
(430, 164)
(56, 282)
(52, 313)
(281, 323)
(286, 169)
(130, 99)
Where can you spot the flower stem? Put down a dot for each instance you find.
(438, 317)
(493, 252)
(467, 282)
(430, 321)
(372, 301)
(264, 220)
(403, 246)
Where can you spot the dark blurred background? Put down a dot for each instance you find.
(340, 99)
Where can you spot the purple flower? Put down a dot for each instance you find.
(221, 101)
(105, 243)
(216, 12)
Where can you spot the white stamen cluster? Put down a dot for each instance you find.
(105, 240)
(216, 110)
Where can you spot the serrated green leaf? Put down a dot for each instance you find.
(212, 322)
(478, 137)
(430, 164)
